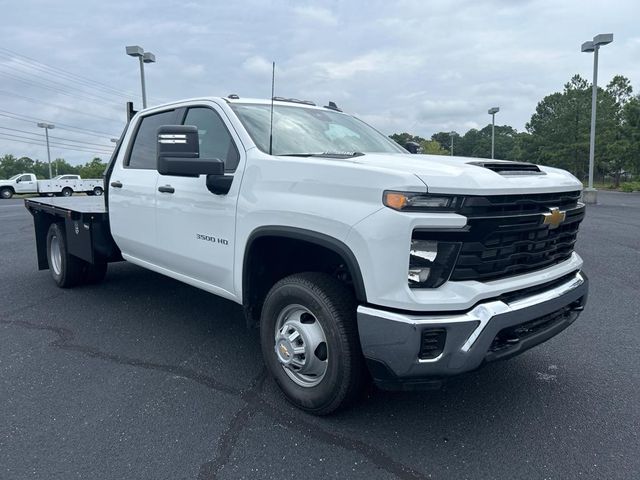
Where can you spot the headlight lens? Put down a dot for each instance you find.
(431, 262)
(410, 201)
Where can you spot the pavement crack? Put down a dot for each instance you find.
(65, 336)
(230, 437)
(311, 429)
(255, 404)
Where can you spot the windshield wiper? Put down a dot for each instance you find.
(324, 154)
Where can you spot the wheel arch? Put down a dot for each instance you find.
(300, 237)
(8, 187)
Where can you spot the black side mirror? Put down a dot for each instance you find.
(412, 147)
(18, 180)
(179, 153)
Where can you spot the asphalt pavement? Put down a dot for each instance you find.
(143, 377)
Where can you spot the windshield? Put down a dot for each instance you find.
(298, 130)
(15, 176)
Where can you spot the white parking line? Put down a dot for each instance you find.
(11, 206)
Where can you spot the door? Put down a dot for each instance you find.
(196, 228)
(132, 191)
(26, 184)
(70, 181)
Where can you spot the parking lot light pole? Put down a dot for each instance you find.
(452, 134)
(492, 111)
(47, 127)
(590, 194)
(143, 57)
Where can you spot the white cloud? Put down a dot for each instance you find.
(257, 65)
(316, 14)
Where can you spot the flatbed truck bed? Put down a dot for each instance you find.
(86, 225)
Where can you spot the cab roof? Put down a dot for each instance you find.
(235, 99)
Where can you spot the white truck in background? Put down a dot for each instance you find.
(60, 186)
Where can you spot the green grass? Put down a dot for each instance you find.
(630, 187)
(624, 187)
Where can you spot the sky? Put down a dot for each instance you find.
(410, 65)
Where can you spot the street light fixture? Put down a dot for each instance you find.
(143, 57)
(492, 111)
(47, 127)
(590, 195)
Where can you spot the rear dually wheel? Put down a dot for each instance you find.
(66, 269)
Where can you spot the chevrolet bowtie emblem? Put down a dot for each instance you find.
(554, 217)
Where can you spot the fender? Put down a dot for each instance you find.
(310, 236)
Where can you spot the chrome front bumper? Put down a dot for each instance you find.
(391, 341)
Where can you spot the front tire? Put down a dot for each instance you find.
(6, 193)
(66, 270)
(98, 191)
(310, 342)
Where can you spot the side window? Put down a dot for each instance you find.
(215, 139)
(25, 178)
(143, 152)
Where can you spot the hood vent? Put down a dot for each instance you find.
(510, 168)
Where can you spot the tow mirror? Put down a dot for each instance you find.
(179, 153)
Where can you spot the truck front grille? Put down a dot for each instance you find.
(506, 235)
(515, 245)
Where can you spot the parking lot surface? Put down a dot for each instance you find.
(144, 377)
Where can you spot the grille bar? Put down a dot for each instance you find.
(475, 206)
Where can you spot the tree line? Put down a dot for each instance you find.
(558, 132)
(556, 135)
(11, 165)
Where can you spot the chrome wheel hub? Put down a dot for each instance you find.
(56, 255)
(301, 346)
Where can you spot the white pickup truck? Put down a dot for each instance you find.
(62, 185)
(356, 259)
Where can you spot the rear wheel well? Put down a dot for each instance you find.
(272, 257)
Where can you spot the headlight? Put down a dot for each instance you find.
(408, 201)
(431, 262)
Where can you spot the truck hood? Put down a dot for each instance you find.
(5, 183)
(472, 176)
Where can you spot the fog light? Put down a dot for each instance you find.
(431, 262)
(419, 275)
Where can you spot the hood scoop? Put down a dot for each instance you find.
(510, 168)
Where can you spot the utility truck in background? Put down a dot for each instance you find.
(61, 186)
(356, 259)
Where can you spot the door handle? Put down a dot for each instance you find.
(166, 189)
(116, 184)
